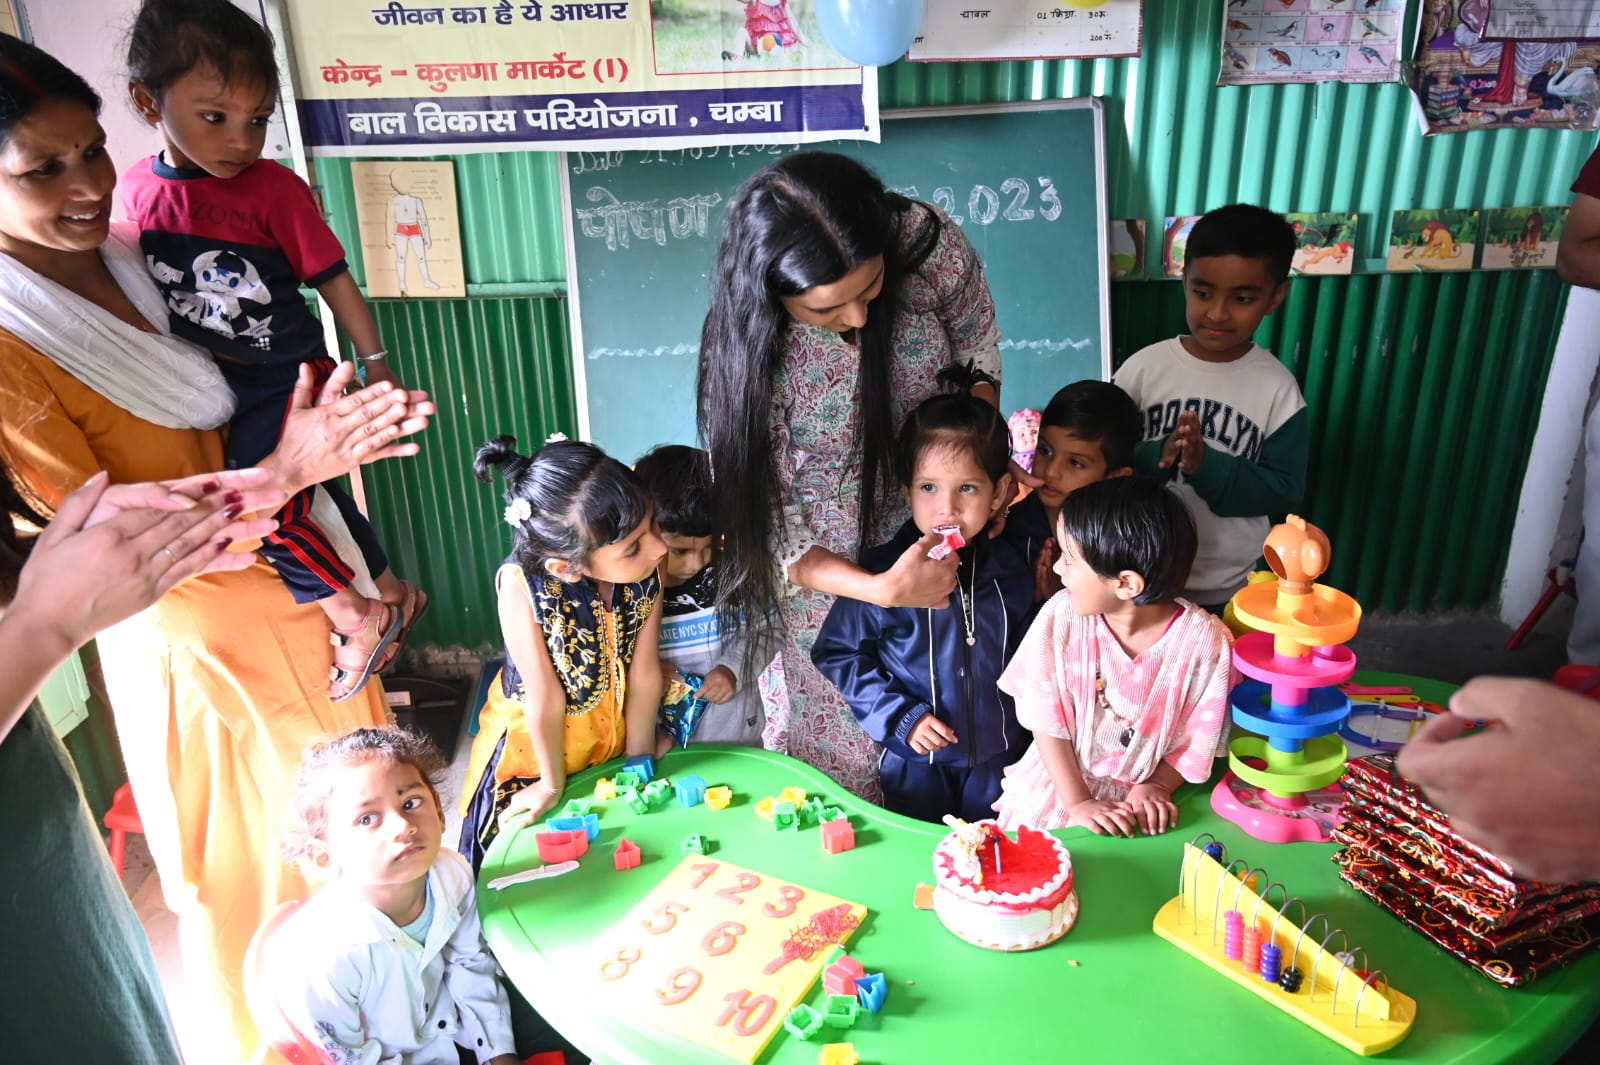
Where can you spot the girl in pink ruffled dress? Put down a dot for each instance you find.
(1124, 685)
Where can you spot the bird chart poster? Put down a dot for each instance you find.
(957, 30)
(1477, 68)
(1433, 240)
(1277, 41)
(410, 231)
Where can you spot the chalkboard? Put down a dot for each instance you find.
(1026, 182)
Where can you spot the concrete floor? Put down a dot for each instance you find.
(1447, 647)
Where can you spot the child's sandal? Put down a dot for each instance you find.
(345, 680)
(411, 609)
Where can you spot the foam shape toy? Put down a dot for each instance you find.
(642, 765)
(719, 797)
(695, 843)
(626, 855)
(627, 779)
(842, 1010)
(691, 790)
(871, 990)
(838, 836)
(792, 794)
(577, 807)
(565, 846)
(765, 807)
(605, 788)
(784, 817)
(588, 824)
(811, 810)
(656, 791)
(636, 802)
(803, 1022)
(838, 1054)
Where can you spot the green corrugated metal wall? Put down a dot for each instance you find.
(1424, 390)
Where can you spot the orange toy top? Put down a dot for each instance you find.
(1298, 553)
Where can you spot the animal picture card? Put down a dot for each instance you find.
(410, 229)
(1268, 41)
(1522, 238)
(1174, 241)
(1127, 249)
(1324, 243)
(1433, 240)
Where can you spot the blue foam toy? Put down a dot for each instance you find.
(872, 989)
(643, 765)
(691, 790)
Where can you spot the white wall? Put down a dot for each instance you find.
(1548, 514)
(90, 36)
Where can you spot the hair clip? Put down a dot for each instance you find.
(518, 511)
(554, 438)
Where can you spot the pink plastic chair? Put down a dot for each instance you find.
(122, 818)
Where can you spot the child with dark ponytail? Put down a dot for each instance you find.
(922, 682)
(578, 609)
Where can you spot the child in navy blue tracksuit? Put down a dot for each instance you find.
(923, 682)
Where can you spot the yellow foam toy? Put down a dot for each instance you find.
(838, 1054)
(765, 807)
(792, 794)
(604, 789)
(719, 797)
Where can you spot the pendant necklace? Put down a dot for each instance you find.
(1105, 705)
(969, 609)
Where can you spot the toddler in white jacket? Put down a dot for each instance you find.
(386, 964)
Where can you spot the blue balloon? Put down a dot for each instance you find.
(872, 33)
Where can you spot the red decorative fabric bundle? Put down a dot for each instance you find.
(1399, 851)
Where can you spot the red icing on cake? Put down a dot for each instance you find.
(1026, 863)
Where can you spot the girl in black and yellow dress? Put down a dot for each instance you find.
(578, 608)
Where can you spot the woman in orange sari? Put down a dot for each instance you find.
(218, 687)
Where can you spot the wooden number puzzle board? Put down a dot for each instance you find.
(702, 956)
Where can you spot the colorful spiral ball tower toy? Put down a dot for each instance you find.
(1281, 785)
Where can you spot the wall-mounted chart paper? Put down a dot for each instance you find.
(1465, 77)
(703, 954)
(1543, 20)
(1033, 29)
(410, 233)
(1267, 41)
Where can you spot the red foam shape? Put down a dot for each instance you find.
(845, 963)
(838, 836)
(627, 854)
(567, 846)
(838, 981)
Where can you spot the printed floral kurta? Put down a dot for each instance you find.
(1174, 696)
(946, 316)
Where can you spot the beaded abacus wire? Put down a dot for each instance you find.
(1217, 917)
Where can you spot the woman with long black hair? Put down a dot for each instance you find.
(836, 304)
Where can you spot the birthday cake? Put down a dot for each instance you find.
(1000, 893)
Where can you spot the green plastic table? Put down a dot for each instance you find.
(1131, 997)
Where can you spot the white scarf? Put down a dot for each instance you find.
(154, 376)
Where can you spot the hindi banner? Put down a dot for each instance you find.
(421, 77)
